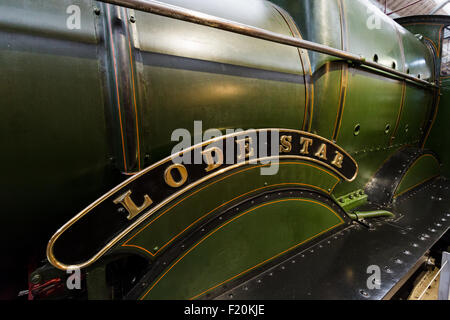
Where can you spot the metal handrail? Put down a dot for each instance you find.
(179, 13)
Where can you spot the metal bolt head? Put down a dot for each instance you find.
(364, 294)
(387, 269)
(132, 19)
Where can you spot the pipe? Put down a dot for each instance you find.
(196, 17)
(439, 7)
(370, 214)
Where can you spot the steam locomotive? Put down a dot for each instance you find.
(99, 202)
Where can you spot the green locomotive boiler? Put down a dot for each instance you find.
(103, 199)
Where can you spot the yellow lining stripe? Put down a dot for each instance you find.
(427, 179)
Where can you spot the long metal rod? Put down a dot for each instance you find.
(196, 17)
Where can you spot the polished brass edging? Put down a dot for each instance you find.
(50, 255)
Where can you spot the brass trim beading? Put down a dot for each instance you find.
(50, 254)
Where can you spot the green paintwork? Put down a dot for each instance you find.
(325, 117)
(412, 122)
(251, 239)
(415, 52)
(367, 38)
(318, 21)
(53, 132)
(381, 102)
(359, 107)
(352, 200)
(229, 188)
(430, 30)
(60, 134)
(207, 92)
(371, 214)
(423, 169)
(433, 32)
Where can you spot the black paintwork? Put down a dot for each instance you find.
(382, 187)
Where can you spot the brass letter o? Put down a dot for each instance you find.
(169, 178)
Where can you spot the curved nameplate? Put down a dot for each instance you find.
(119, 211)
